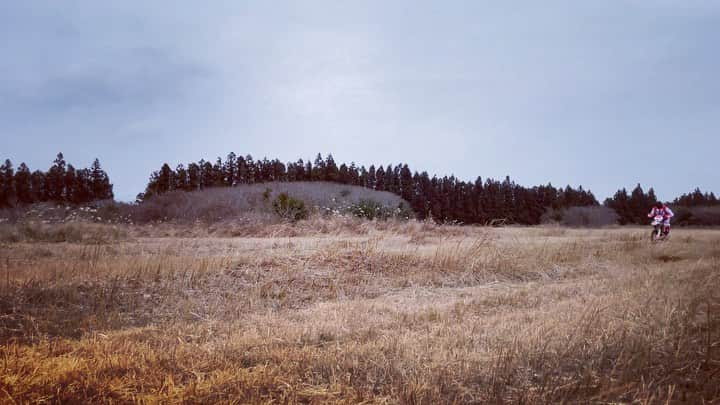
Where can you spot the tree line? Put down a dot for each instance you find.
(61, 183)
(633, 207)
(445, 199)
(697, 199)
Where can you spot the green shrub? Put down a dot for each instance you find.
(290, 208)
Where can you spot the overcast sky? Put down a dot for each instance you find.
(603, 94)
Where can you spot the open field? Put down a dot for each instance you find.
(398, 313)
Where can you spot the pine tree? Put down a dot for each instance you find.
(620, 203)
(70, 185)
(54, 180)
(364, 178)
(638, 205)
(407, 186)
(330, 169)
(712, 200)
(354, 174)
(165, 178)
(230, 170)
(308, 171)
(343, 175)
(300, 174)
(251, 170)
(181, 178)
(318, 170)
(389, 181)
(194, 177)
(38, 186)
(208, 174)
(100, 187)
(379, 179)
(279, 171)
(217, 173)
(23, 185)
(8, 197)
(83, 186)
(371, 178)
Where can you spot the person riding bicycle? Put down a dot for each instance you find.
(663, 210)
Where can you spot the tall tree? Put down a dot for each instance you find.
(181, 178)
(194, 177)
(165, 178)
(23, 185)
(38, 186)
(70, 185)
(8, 197)
(318, 170)
(230, 170)
(100, 186)
(330, 169)
(55, 180)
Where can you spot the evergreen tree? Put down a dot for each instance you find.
(309, 171)
(230, 170)
(55, 180)
(330, 169)
(379, 179)
(208, 175)
(38, 186)
(82, 187)
(23, 185)
(354, 174)
(217, 173)
(407, 187)
(181, 178)
(389, 181)
(165, 178)
(364, 178)
(194, 177)
(100, 187)
(70, 185)
(251, 170)
(8, 196)
(318, 170)
(620, 203)
(343, 175)
(371, 178)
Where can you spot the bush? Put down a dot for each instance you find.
(697, 216)
(592, 216)
(371, 209)
(290, 208)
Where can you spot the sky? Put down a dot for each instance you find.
(603, 94)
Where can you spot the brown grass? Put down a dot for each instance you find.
(76, 232)
(364, 312)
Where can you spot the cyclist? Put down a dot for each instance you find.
(663, 210)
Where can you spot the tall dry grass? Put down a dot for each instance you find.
(76, 232)
(392, 313)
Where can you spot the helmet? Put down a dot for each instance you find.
(659, 204)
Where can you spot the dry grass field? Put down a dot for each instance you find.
(327, 312)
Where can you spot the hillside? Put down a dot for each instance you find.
(218, 204)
